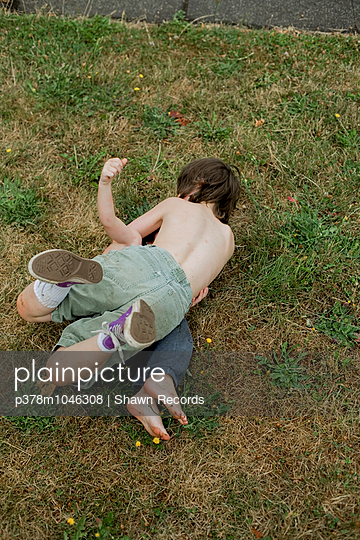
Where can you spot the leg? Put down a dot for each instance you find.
(134, 329)
(29, 307)
(51, 269)
(62, 359)
(172, 354)
(70, 366)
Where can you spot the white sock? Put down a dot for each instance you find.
(49, 294)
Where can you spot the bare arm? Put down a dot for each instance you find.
(115, 228)
(151, 221)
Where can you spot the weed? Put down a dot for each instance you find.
(284, 370)
(19, 205)
(348, 138)
(225, 68)
(339, 324)
(197, 425)
(305, 230)
(299, 104)
(179, 19)
(161, 123)
(214, 130)
(104, 530)
(267, 80)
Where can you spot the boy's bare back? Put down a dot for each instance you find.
(190, 232)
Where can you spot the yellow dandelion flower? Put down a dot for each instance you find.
(8, 150)
(89, 76)
(138, 443)
(156, 440)
(202, 372)
(346, 218)
(71, 521)
(337, 115)
(136, 88)
(128, 71)
(208, 340)
(141, 76)
(33, 89)
(97, 535)
(313, 328)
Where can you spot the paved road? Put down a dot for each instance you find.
(324, 15)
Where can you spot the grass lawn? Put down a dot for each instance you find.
(284, 107)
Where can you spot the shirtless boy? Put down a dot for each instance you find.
(135, 294)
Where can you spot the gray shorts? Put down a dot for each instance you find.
(146, 272)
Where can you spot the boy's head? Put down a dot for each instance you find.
(210, 180)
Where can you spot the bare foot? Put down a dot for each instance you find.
(148, 414)
(165, 393)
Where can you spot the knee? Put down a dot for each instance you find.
(22, 308)
(30, 309)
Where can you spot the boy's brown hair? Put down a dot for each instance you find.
(213, 182)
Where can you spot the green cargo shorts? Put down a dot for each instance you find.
(146, 272)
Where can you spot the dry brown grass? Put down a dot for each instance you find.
(278, 473)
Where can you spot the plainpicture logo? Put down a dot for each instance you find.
(82, 374)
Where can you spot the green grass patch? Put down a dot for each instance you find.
(20, 205)
(159, 122)
(214, 130)
(85, 169)
(28, 424)
(340, 325)
(285, 369)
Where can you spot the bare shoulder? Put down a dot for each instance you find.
(174, 204)
(229, 236)
(172, 200)
(169, 202)
(164, 206)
